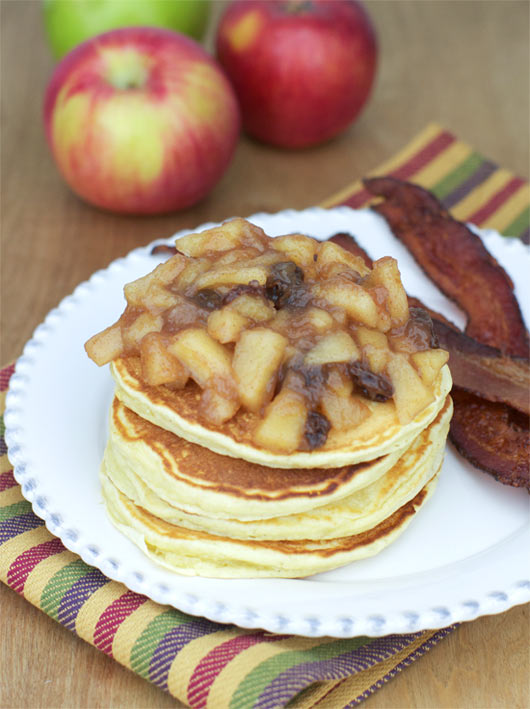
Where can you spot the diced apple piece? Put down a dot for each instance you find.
(336, 268)
(209, 364)
(330, 252)
(380, 296)
(158, 365)
(266, 259)
(145, 323)
(410, 393)
(106, 345)
(333, 347)
(403, 344)
(298, 248)
(254, 307)
(376, 357)
(203, 356)
(281, 322)
(385, 272)
(231, 275)
(235, 255)
(149, 290)
(194, 269)
(167, 271)
(183, 314)
(283, 424)
(320, 320)
(225, 325)
(257, 358)
(374, 346)
(342, 410)
(366, 336)
(428, 363)
(352, 298)
(338, 382)
(158, 298)
(232, 234)
(216, 408)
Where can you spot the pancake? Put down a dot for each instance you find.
(188, 486)
(201, 482)
(177, 411)
(196, 553)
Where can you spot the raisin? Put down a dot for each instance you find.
(309, 381)
(315, 379)
(420, 328)
(283, 282)
(376, 387)
(252, 288)
(316, 429)
(208, 299)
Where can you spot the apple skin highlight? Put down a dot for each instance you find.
(141, 121)
(302, 71)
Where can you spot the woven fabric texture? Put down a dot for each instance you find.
(205, 664)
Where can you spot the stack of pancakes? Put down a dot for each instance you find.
(203, 500)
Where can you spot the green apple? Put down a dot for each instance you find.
(70, 22)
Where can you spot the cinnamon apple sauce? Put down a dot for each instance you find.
(300, 333)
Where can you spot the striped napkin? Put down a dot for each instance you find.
(205, 664)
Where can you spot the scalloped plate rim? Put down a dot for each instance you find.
(493, 601)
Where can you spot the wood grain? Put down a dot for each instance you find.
(462, 64)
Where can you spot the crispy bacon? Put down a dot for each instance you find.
(163, 249)
(494, 437)
(483, 370)
(456, 260)
(491, 434)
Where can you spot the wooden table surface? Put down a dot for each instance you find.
(462, 64)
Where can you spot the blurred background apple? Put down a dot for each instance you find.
(70, 22)
(140, 120)
(302, 70)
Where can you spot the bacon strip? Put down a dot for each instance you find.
(163, 249)
(456, 260)
(492, 436)
(483, 370)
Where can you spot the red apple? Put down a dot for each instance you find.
(141, 120)
(302, 70)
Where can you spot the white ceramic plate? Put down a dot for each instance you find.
(465, 555)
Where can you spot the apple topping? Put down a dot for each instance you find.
(374, 345)
(385, 273)
(256, 362)
(335, 347)
(410, 394)
(236, 233)
(283, 423)
(343, 409)
(332, 254)
(159, 366)
(301, 335)
(342, 293)
(226, 325)
(133, 334)
(106, 345)
(428, 363)
(301, 250)
(253, 306)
